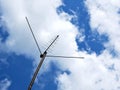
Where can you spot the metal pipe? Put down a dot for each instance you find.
(51, 43)
(36, 72)
(64, 56)
(33, 35)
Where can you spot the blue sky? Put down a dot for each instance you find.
(86, 28)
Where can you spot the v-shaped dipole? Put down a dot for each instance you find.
(43, 55)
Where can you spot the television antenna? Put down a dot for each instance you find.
(43, 55)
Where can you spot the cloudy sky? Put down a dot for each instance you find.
(87, 28)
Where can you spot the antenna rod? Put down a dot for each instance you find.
(33, 34)
(64, 56)
(51, 43)
(36, 72)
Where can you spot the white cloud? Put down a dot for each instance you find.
(92, 73)
(88, 74)
(5, 84)
(45, 23)
(44, 20)
(104, 16)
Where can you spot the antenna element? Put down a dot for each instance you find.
(64, 56)
(51, 43)
(33, 35)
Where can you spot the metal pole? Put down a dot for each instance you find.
(33, 35)
(36, 72)
(51, 43)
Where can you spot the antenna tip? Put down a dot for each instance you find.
(57, 35)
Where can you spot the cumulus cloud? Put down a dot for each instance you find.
(5, 84)
(98, 72)
(104, 16)
(93, 72)
(45, 22)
